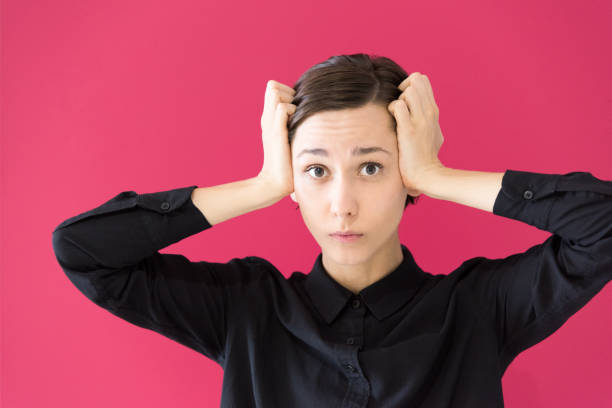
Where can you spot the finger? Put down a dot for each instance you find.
(402, 116)
(283, 110)
(421, 85)
(406, 82)
(281, 86)
(272, 98)
(414, 101)
(287, 89)
(421, 89)
(285, 97)
(270, 102)
(427, 86)
(428, 92)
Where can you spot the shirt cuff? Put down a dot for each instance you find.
(527, 196)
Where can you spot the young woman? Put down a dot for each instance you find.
(354, 142)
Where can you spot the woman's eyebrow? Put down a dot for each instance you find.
(357, 151)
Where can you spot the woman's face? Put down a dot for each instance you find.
(337, 190)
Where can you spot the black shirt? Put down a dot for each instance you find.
(411, 339)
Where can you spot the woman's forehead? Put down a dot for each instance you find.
(344, 143)
(355, 151)
(368, 116)
(346, 129)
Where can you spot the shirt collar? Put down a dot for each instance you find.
(382, 297)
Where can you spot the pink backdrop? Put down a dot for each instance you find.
(104, 96)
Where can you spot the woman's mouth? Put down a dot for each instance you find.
(346, 237)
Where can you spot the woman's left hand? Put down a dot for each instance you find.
(419, 136)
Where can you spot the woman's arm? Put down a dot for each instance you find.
(225, 201)
(529, 295)
(476, 189)
(111, 254)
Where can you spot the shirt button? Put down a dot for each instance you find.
(350, 340)
(356, 303)
(165, 205)
(528, 194)
(350, 368)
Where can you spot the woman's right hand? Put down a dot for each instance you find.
(277, 171)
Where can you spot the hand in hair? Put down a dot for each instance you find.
(419, 136)
(277, 171)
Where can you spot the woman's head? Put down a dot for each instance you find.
(342, 105)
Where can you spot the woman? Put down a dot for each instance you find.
(354, 142)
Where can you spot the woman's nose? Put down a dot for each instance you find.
(342, 198)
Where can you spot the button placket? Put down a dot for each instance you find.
(348, 360)
(354, 338)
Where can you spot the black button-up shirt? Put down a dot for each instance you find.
(411, 339)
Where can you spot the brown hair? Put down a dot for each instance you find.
(346, 81)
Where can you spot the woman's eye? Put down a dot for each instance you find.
(369, 165)
(373, 165)
(313, 168)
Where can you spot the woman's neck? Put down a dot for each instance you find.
(356, 277)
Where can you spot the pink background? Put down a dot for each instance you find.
(104, 96)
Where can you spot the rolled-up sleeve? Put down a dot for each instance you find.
(529, 295)
(111, 254)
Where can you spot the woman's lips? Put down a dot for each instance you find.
(346, 238)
